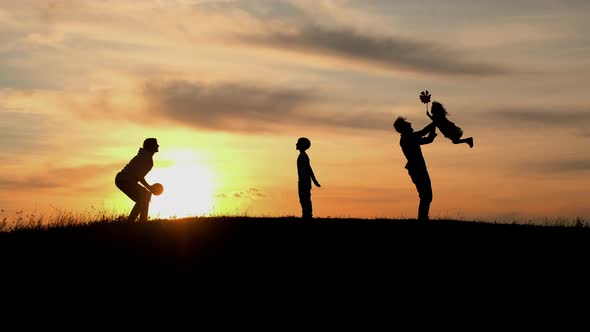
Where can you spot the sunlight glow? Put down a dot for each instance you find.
(188, 190)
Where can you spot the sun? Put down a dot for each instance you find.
(188, 190)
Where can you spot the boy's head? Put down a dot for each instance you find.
(437, 109)
(151, 144)
(303, 144)
(401, 125)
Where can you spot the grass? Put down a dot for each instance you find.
(289, 252)
(59, 218)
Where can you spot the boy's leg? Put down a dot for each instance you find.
(309, 208)
(305, 200)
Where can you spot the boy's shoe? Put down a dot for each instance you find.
(470, 142)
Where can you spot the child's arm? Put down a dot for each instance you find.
(428, 129)
(315, 181)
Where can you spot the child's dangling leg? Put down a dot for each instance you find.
(468, 140)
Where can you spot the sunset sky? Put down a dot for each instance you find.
(227, 87)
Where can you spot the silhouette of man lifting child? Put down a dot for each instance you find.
(410, 142)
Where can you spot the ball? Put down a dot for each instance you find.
(157, 189)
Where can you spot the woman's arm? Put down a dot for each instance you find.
(145, 184)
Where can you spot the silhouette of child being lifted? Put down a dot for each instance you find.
(306, 176)
(439, 117)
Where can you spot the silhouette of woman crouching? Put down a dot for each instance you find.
(135, 171)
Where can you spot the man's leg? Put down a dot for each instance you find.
(423, 209)
(425, 193)
(422, 181)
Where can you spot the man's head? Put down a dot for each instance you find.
(303, 144)
(151, 144)
(402, 126)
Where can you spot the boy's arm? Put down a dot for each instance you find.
(315, 181)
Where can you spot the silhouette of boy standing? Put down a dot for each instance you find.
(306, 176)
(410, 142)
(135, 171)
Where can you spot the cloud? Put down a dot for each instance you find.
(546, 117)
(531, 119)
(22, 133)
(570, 165)
(250, 193)
(223, 106)
(34, 182)
(559, 166)
(249, 108)
(389, 53)
(69, 178)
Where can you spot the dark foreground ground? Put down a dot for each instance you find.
(286, 252)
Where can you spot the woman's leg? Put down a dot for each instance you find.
(139, 195)
(144, 206)
(134, 213)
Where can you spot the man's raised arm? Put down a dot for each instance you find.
(428, 129)
(431, 135)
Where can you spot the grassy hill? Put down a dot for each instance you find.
(288, 252)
